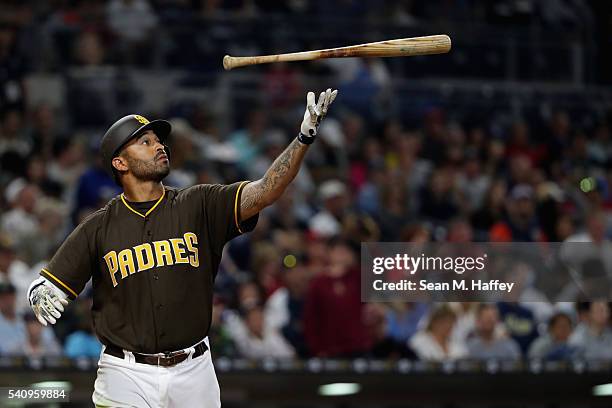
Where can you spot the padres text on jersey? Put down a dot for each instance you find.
(141, 257)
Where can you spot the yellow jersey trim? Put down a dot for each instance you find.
(150, 209)
(55, 278)
(236, 220)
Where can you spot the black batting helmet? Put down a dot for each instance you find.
(124, 130)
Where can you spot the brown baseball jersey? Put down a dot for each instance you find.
(152, 271)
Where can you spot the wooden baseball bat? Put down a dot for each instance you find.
(402, 47)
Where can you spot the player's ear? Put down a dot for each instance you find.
(120, 163)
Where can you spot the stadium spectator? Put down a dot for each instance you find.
(133, 22)
(284, 310)
(52, 219)
(327, 222)
(554, 345)
(248, 141)
(82, 342)
(266, 266)
(405, 319)
(67, 165)
(520, 323)
(13, 66)
(37, 174)
(520, 144)
(594, 337)
(591, 243)
(44, 130)
(394, 212)
(20, 222)
(487, 344)
(384, 346)
(521, 223)
(15, 272)
(491, 211)
(219, 335)
(94, 187)
(91, 79)
(404, 157)
(40, 340)
(439, 200)
(435, 342)
(282, 85)
(330, 158)
(249, 294)
(254, 338)
(333, 312)
(289, 213)
(466, 320)
(12, 326)
(11, 267)
(15, 146)
(473, 183)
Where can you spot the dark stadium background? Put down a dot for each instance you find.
(434, 148)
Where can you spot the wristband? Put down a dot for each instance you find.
(302, 138)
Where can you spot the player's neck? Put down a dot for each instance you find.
(140, 192)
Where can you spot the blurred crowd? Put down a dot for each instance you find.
(291, 288)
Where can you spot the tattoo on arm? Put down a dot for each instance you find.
(265, 191)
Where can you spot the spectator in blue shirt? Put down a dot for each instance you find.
(83, 342)
(12, 327)
(404, 320)
(487, 343)
(554, 345)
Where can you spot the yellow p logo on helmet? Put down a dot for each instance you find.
(141, 119)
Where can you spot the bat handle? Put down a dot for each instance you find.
(230, 62)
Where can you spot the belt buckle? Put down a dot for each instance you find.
(169, 358)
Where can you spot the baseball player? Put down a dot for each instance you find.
(152, 254)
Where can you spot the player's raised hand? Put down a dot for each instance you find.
(315, 112)
(46, 301)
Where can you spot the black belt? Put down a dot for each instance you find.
(167, 360)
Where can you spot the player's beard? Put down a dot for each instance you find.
(154, 170)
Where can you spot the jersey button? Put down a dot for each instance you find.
(160, 306)
(156, 276)
(149, 232)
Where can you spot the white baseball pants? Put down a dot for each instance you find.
(126, 383)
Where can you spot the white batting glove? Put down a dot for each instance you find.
(315, 112)
(46, 300)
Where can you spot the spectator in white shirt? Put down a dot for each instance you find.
(254, 340)
(594, 336)
(435, 343)
(284, 308)
(16, 272)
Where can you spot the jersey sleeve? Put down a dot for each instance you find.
(222, 204)
(72, 265)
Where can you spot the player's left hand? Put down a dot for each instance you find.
(315, 112)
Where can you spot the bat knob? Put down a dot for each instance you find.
(227, 63)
